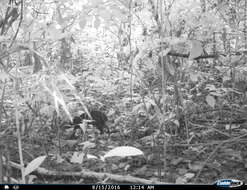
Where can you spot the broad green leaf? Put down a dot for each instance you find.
(176, 122)
(123, 151)
(196, 49)
(77, 157)
(210, 100)
(189, 175)
(34, 164)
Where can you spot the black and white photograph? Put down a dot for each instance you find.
(122, 94)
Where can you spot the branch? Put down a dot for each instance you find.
(212, 56)
(91, 174)
(19, 25)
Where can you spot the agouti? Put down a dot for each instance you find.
(98, 120)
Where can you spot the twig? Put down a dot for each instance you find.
(206, 161)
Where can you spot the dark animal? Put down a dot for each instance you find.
(99, 120)
(77, 120)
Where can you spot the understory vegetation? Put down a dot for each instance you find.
(123, 91)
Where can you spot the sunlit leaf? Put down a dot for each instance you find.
(90, 156)
(210, 100)
(34, 164)
(123, 151)
(196, 49)
(77, 157)
(176, 122)
(189, 175)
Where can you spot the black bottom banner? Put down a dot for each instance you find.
(112, 187)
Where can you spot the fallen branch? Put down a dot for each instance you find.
(182, 55)
(91, 174)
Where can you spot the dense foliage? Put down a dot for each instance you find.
(168, 77)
